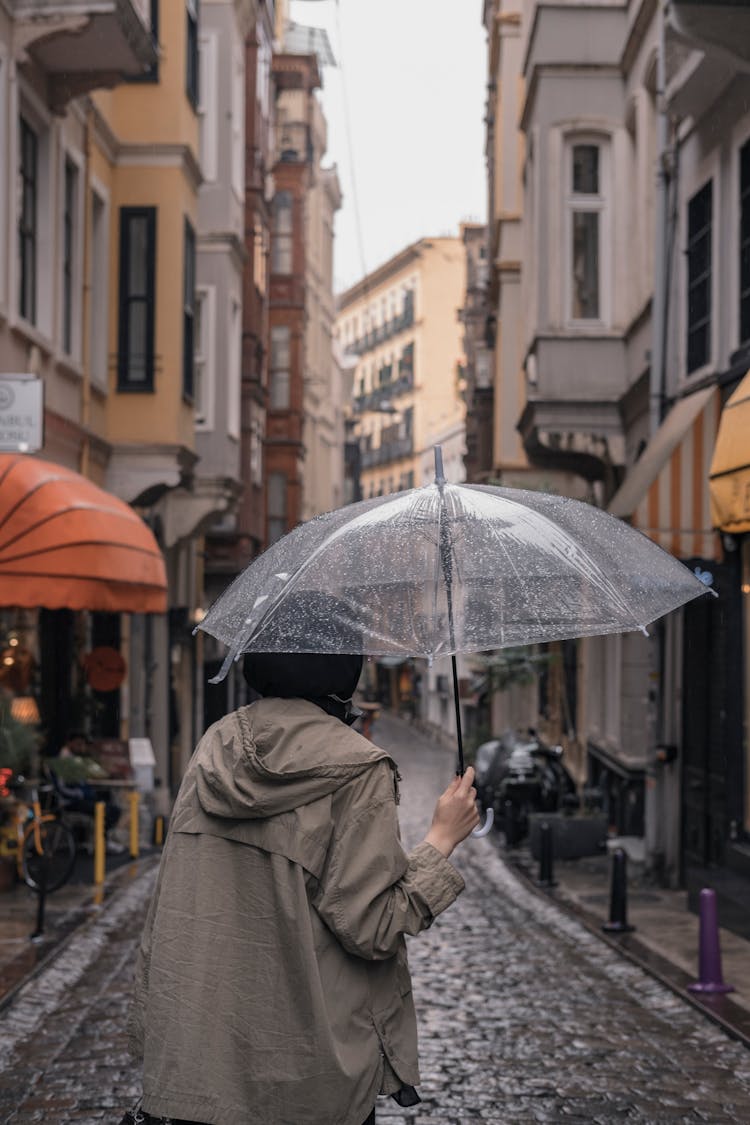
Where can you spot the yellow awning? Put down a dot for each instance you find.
(729, 478)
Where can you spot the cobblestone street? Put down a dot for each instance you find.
(524, 1015)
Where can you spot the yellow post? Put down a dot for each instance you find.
(133, 798)
(159, 831)
(99, 842)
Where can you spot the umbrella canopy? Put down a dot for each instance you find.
(67, 544)
(449, 568)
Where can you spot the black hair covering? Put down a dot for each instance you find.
(328, 679)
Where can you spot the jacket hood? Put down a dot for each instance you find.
(274, 756)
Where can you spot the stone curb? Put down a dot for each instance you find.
(720, 1009)
(71, 923)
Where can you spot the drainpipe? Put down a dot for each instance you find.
(659, 303)
(662, 802)
(86, 300)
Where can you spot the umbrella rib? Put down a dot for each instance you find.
(572, 555)
(293, 581)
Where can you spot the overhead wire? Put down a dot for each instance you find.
(350, 145)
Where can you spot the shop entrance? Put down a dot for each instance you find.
(712, 728)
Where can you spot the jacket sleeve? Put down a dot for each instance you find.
(371, 892)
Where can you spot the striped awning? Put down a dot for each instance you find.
(665, 493)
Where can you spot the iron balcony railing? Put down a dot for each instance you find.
(387, 452)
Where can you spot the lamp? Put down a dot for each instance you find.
(24, 709)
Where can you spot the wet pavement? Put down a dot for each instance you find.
(525, 1015)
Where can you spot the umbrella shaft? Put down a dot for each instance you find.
(460, 767)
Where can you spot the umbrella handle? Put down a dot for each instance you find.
(487, 824)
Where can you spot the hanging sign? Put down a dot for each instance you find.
(21, 414)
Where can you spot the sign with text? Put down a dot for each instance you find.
(21, 414)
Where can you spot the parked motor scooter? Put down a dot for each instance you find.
(519, 775)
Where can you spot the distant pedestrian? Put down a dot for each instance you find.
(83, 794)
(272, 985)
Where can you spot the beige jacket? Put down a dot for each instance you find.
(272, 985)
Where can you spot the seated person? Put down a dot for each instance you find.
(81, 795)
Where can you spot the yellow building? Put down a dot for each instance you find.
(100, 118)
(400, 326)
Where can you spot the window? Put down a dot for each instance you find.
(279, 368)
(281, 250)
(699, 220)
(136, 318)
(191, 60)
(256, 452)
(70, 203)
(745, 243)
(152, 74)
(234, 370)
(203, 357)
(28, 184)
(406, 364)
(99, 317)
(188, 314)
(276, 507)
(585, 207)
(238, 124)
(208, 105)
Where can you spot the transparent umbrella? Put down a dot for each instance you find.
(446, 569)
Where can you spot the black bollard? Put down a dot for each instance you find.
(38, 934)
(546, 856)
(618, 898)
(509, 824)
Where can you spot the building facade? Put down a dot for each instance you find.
(64, 183)
(323, 434)
(401, 322)
(635, 128)
(401, 333)
(232, 309)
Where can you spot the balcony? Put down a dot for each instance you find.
(387, 452)
(382, 332)
(85, 46)
(384, 394)
(572, 419)
(713, 23)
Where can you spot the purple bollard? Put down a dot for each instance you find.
(709, 957)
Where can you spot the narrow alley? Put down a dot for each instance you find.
(524, 1015)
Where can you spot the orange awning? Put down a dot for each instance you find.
(66, 544)
(730, 468)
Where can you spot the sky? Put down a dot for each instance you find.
(411, 79)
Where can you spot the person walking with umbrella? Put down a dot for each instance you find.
(272, 983)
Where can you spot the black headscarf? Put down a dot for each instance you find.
(326, 679)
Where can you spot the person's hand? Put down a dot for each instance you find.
(455, 814)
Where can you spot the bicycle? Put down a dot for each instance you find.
(45, 847)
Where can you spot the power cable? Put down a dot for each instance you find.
(350, 147)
